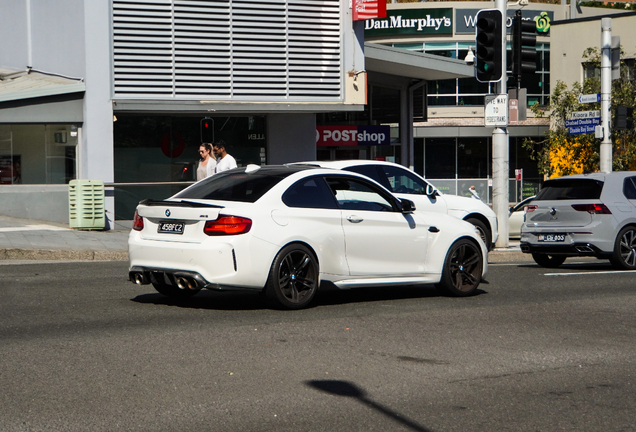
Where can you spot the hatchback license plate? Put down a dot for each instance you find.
(551, 237)
(171, 227)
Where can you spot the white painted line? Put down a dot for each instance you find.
(590, 273)
(34, 228)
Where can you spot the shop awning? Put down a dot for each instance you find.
(31, 84)
(410, 64)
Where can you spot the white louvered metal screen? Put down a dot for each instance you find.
(270, 50)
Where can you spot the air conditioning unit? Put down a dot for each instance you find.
(87, 204)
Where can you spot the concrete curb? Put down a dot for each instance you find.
(61, 255)
(508, 256)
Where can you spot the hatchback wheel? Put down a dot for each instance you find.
(549, 261)
(462, 270)
(293, 278)
(624, 256)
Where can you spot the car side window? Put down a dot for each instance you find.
(310, 192)
(629, 187)
(371, 171)
(404, 181)
(353, 194)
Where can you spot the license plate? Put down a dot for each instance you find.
(171, 227)
(551, 237)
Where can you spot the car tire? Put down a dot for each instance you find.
(462, 270)
(293, 277)
(549, 261)
(624, 255)
(484, 231)
(173, 291)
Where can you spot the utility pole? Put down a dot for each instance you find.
(606, 94)
(500, 151)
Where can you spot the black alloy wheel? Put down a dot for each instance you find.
(549, 261)
(624, 256)
(293, 277)
(462, 270)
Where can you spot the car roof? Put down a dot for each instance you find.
(597, 175)
(339, 164)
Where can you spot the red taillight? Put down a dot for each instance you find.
(138, 223)
(592, 208)
(529, 208)
(227, 225)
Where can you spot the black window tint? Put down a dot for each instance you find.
(629, 188)
(372, 172)
(570, 189)
(235, 186)
(404, 181)
(358, 195)
(311, 192)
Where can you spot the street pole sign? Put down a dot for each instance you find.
(590, 98)
(581, 122)
(496, 112)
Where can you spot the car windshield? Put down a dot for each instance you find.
(236, 185)
(568, 189)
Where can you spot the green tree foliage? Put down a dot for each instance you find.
(563, 154)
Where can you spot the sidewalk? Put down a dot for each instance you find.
(25, 239)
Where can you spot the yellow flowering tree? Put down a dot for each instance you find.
(562, 154)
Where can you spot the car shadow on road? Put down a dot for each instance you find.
(327, 296)
(340, 388)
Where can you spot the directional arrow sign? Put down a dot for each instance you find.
(590, 98)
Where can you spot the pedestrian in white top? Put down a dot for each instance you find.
(224, 161)
(207, 164)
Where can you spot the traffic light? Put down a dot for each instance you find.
(489, 57)
(524, 51)
(624, 118)
(207, 130)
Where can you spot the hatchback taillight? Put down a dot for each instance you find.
(138, 222)
(592, 208)
(227, 225)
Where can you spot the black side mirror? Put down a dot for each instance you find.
(408, 206)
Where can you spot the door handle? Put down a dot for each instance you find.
(354, 219)
(433, 229)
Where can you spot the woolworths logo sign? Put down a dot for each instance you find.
(418, 21)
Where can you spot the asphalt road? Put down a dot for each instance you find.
(82, 349)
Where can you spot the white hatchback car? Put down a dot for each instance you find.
(583, 215)
(284, 229)
(404, 183)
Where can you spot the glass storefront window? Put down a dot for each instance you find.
(166, 149)
(472, 158)
(38, 153)
(439, 158)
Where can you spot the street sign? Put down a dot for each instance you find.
(580, 122)
(496, 110)
(581, 115)
(590, 98)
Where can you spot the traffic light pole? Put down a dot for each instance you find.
(606, 94)
(500, 151)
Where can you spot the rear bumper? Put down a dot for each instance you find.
(571, 249)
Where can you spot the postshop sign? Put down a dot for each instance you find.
(352, 135)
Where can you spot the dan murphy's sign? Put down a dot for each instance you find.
(411, 22)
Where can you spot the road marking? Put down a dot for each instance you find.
(590, 272)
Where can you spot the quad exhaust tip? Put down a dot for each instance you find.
(186, 283)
